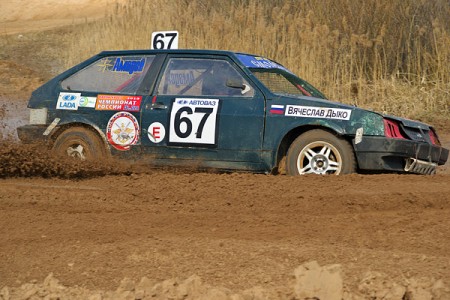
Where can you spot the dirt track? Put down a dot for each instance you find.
(237, 231)
(233, 230)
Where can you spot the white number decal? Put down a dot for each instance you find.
(193, 121)
(165, 40)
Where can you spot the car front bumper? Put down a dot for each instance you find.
(388, 154)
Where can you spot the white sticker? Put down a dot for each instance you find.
(193, 121)
(359, 135)
(51, 126)
(164, 40)
(156, 132)
(87, 101)
(68, 101)
(317, 112)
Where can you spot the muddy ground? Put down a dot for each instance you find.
(92, 226)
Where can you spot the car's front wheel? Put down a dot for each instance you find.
(80, 143)
(320, 152)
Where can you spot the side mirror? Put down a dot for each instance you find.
(237, 84)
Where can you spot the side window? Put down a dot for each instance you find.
(113, 74)
(203, 77)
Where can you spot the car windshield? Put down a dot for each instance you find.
(281, 82)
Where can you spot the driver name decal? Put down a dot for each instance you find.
(318, 112)
(129, 66)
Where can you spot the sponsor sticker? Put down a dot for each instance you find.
(87, 101)
(122, 131)
(68, 101)
(129, 65)
(277, 109)
(156, 132)
(317, 112)
(251, 61)
(118, 102)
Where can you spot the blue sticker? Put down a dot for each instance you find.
(251, 61)
(129, 66)
(69, 97)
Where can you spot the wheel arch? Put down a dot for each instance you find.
(292, 134)
(87, 125)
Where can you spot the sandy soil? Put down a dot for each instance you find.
(91, 226)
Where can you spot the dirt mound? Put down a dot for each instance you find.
(310, 281)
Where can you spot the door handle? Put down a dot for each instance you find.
(156, 105)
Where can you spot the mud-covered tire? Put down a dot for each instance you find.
(320, 152)
(80, 143)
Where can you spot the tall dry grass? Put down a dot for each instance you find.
(390, 56)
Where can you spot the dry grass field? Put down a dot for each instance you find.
(390, 56)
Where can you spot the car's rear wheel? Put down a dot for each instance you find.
(80, 143)
(320, 152)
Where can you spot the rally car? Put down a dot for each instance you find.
(218, 109)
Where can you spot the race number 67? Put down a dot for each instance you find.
(165, 40)
(194, 121)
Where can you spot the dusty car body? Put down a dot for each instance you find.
(219, 109)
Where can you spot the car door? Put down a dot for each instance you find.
(204, 109)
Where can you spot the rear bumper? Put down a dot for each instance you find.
(32, 133)
(387, 154)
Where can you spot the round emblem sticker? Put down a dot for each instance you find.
(156, 132)
(84, 101)
(122, 131)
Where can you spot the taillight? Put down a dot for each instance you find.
(392, 129)
(433, 137)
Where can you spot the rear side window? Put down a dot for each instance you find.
(112, 74)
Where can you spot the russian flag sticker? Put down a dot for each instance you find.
(277, 109)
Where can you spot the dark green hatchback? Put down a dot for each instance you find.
(218, 109)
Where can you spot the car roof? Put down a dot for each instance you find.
(172, 51)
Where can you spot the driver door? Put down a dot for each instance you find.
(204, 109)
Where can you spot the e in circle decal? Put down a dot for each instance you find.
(156, 132)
